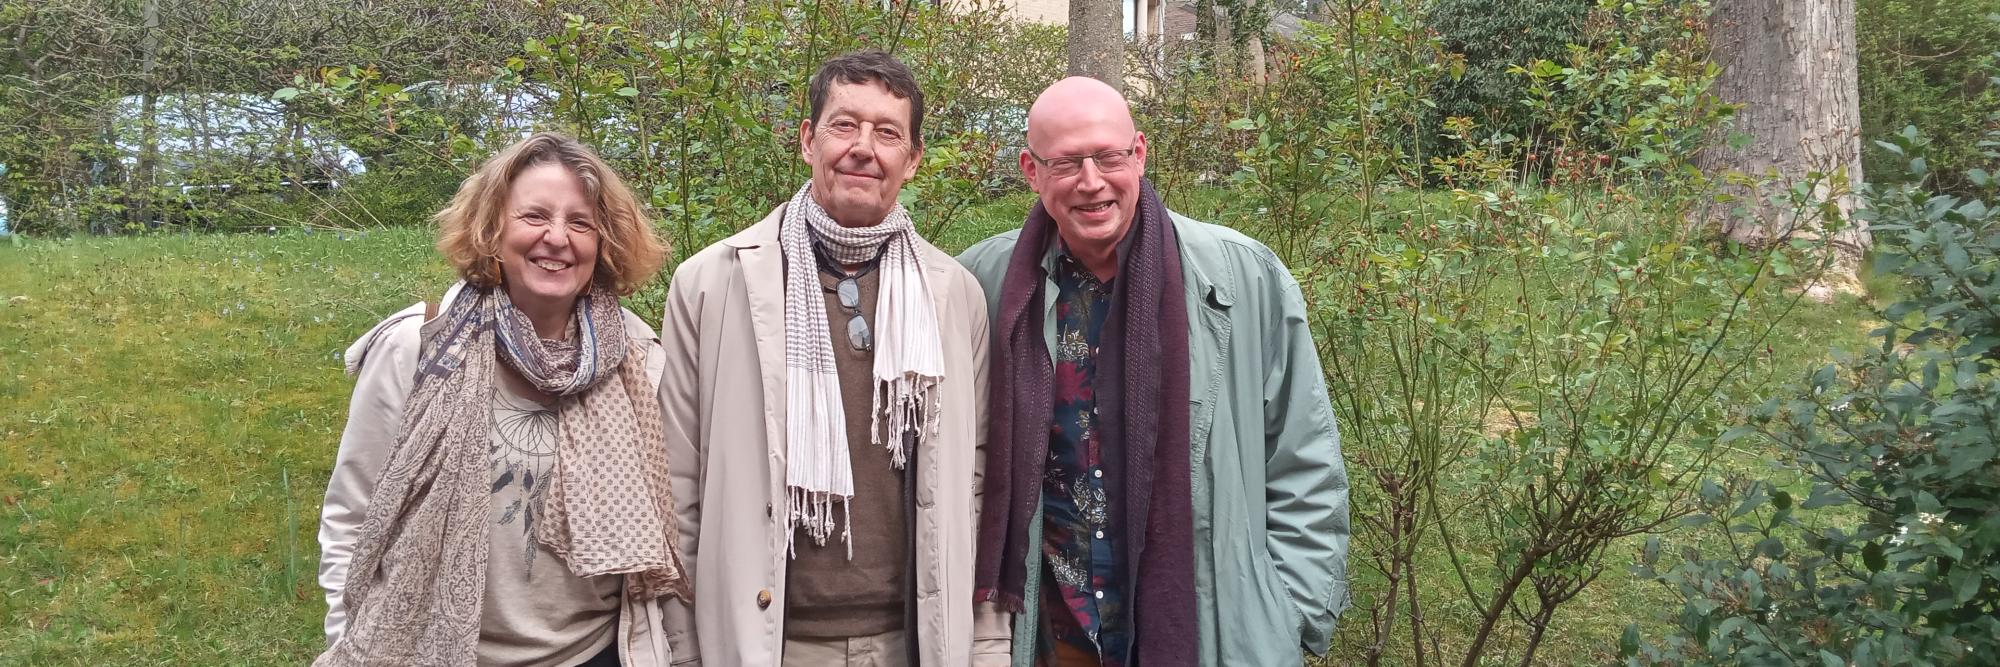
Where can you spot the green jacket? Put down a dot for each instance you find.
(1270, 490)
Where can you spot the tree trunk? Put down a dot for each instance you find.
(1253, 48)
(1791, 67)
(139, 189)
(1097, 41)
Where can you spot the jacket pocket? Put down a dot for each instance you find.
(1280, 612)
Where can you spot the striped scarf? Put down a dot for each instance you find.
(909, 361)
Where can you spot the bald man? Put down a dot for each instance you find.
(1163, 477)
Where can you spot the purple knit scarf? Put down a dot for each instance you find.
(1142, 393)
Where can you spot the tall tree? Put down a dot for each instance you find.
(139, 190)
(1097, 41)
(1791, 66)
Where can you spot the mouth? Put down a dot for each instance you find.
(1094, 208)
(551, 265)
(851, 174)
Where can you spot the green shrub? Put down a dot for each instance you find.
(1493, 36)
(1924, 63)
(1893, 557)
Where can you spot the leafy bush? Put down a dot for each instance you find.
(1487, 39)
(1924, 63)
(1893, 558)
(1524, 376)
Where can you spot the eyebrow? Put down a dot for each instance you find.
(832, 114)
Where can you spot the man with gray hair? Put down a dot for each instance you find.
(823, 400)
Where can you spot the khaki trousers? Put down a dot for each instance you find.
(883, 650)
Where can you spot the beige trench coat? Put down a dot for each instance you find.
(723, 392)
(384, 363)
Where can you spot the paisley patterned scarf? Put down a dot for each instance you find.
(419, 568)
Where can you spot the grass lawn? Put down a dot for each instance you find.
(172, 405)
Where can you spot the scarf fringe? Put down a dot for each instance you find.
(911, 403)
(812, 511)
(908, 366)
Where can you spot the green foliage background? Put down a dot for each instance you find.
(1924, 63)
(1536, 360)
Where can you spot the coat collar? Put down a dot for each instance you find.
(763, 264)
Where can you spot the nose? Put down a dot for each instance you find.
(1089, 178)
(864, 146)
(557, 235)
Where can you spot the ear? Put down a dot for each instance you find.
(805, 140)
(1139, 152)
(916, 160)
(1028, 169)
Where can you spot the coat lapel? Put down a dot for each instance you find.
(763, 265)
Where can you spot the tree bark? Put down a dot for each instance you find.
(1791, 66)
(1097, 41)
(139, 190)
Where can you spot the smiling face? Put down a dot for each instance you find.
(1092, 208)
(861, 150)
(548, 244)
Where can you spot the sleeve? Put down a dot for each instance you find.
(374, 415)
(992, 628)
(680, 422)
(1306, 488)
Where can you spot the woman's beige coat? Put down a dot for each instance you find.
(723, 393)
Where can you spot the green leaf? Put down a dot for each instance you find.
(1710, 491)
(1628, 643)
(1781, 500)
(1752, 502)
(1771, 546)
(1965, 583)
(1242, 124)
(628, 91)
(285, 94)
(1955, 257)
(1872, 557)
(1823, 495)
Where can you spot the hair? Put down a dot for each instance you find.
(870, 67)
(629, 251)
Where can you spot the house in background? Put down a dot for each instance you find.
(1167, 19)
(1143, 18)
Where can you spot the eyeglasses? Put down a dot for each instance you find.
(858, 335)
(1071, 165)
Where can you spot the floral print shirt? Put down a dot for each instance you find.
(1083, 607)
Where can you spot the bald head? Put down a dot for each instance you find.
(1073, 106)
(1086, 160)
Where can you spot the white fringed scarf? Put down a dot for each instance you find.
(909, 361)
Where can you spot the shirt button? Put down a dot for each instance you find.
(1098, 473)
(764, 599)
(1100, 534)
(1100, 595)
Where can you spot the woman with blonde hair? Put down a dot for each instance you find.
(501, 492)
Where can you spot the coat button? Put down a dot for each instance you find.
(764, 599)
